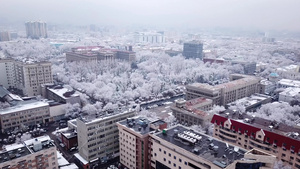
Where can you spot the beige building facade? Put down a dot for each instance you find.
(181, 148)
(98, 136)
(192, 112)
(38, 153)
(240, 86)
(24, 114)
(134, 138)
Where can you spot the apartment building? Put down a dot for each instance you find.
(8, 74)
(98, 137)
(36, 30)
(240, 86)
(24, 113)
(37, 153)
(133, 140)
(248, 132)
(192, 112)
(180, 147)
(30, 76)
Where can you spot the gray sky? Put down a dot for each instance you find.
(258, 14)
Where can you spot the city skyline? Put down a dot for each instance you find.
(263, 15)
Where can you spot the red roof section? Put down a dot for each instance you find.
(270, 136)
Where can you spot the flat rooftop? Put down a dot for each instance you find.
(138, 124)
(44, 141)
(288, 82)
(291, 91)
(62, 92)
(206, 147)
(93, 118)
(14, 151)
(24, 105)
(69, 133)
(251, 100)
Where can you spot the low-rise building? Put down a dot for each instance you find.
(266, 87)
(240, 86)
(34, 154)
(98, 53)
(249, 132)
(133, 140)
(180, 147)
(285, 83)
(289, 94)
(61, 94)
(251, 103)
(192, 112)
(24, 114)
(69, 138)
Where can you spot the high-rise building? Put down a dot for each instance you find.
(36, 30)
(30, 76)
(32, 154)
(98, 137)
(248, 132)
(133, 140)
(192, 49)
(26, 76)
(180, 147)
(240, 86)
(8, 74)
(5, 36)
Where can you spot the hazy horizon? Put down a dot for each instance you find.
(246, 14)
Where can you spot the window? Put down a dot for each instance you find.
(179, 167)
(259, 136)
(174, 165)
(169, 162)
(169, 154)
(164, 159)
(185, 163)
(165, 152)
(154, 154)
(160, 149)
(175, 157)
(180, 160)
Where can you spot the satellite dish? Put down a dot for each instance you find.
(236, 149)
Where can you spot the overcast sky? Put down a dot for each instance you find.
(258, 14)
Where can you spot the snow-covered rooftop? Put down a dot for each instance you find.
(61, 91)
(81, 159)
(24, 105)
(61, 160)
(41, 139)
(251, 100)
(288, 82)
(291, 91)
